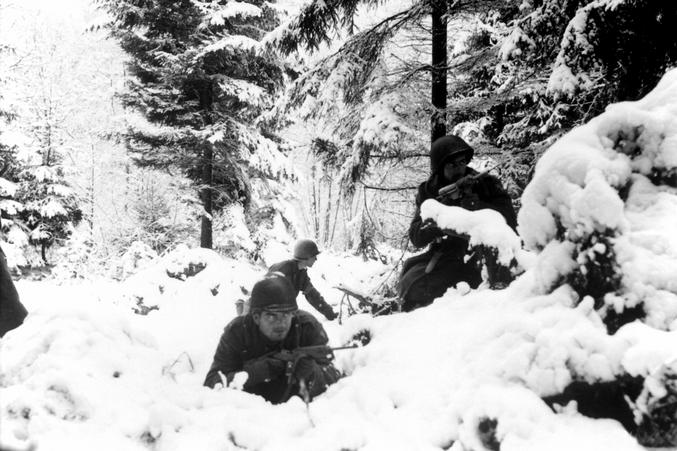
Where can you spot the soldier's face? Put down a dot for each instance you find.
(455, 169)
(274, 325)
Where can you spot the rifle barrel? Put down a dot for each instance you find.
(345, 347)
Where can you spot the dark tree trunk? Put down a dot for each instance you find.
(438, 127)
(206, 197)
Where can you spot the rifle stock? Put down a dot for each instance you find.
(315, 351)
(453, 190)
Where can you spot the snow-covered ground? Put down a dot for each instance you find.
(84, 372)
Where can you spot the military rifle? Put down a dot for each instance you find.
(367, 304)
(453, 191)
(319, 353)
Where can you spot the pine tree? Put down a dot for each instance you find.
(44, 208)
(50, 206)
(199, 81)
(519, 75)
(37, 203)
(8, 205)
(428, 21)
(370, 103)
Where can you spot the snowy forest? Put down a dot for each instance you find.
(158, 156)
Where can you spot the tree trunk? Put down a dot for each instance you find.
(206, 197)
(438, 127)
(91, 188)
(327, 213)
(315, 202)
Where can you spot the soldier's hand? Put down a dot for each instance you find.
(470, 201)
(331, 315)
(285, 356)
(305, 368)
(321, 354)
(431, 228)
(263, 369)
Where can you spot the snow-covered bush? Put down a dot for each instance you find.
(182, 275)
(138, 256)
(600, 213)
(606, 194)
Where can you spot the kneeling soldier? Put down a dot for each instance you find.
(296, 271)
(265, 344)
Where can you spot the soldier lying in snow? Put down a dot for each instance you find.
(427, 276)
(264, 346)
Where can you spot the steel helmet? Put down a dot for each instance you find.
(274, 293)
(304, 249)
(445, 148)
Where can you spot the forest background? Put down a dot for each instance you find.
(130, 127)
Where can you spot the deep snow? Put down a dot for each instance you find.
(84, 372)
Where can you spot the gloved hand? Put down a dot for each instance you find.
(470, 201)
(331, 315)
(431, 229)
(263, 369)
(321, 354)
(305, 368)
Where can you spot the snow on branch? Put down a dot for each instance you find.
(244, 91)
(7, 188)
(607, 190)
(234, 9)
(142, 126)
(566, 78)
(483, 227)
(10, 207)
(381, 127)
(230, 42)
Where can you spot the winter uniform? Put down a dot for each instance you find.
(301, 282)
(12, 312)
(244, 348)
(427, 276)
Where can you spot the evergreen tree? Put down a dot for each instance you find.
(199, 81)
(559, 63)
(367, 48)
(50, 207)
(36, 202)
(7, 155)
(9, 206)
(519, 74)
(369, 103)
(44, 208)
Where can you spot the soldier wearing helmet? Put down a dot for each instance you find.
(427, 276)
(295, 270)
(255, 345)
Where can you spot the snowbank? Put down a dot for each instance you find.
(607, 193)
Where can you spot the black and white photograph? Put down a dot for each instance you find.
(338, 225)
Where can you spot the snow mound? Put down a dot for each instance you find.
(426, 379)
(601, 208)
(486, 226)
(184, 275)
